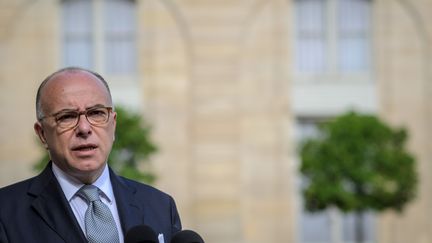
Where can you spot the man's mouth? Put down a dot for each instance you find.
(86, 147)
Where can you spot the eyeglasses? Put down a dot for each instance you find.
(70, 118)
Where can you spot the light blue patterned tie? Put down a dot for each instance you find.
(99, 222)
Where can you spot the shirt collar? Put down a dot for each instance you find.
(70, 185)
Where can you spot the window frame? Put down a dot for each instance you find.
(331, 71)
(98, 40)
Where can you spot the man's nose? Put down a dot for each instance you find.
(83, 127)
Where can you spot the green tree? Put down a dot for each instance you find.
(357, 163)
(132, 147)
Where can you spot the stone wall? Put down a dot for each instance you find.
(215, 78)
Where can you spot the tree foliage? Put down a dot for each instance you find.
(132, 147)
(358, 163)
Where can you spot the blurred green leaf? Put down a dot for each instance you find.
(357, 163)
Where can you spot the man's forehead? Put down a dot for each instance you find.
(71, 87)
(72, 74)
(72, 77)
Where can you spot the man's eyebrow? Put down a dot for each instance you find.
(95, 106)
(64, 110)
(76, 110)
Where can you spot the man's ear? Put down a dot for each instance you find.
(40, 133)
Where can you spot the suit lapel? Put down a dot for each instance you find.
(52, 206)
(127, 205)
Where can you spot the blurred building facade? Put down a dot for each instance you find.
(230, 87)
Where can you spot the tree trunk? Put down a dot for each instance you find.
(335, 225)
(359, 226)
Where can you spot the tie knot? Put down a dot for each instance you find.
(89, 192)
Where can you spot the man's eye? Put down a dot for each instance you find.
(96, 113)
(66, 117)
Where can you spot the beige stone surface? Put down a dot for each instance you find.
(215, 78)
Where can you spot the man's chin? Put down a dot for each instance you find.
(88, 170)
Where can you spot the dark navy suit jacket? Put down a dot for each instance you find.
(36, 210)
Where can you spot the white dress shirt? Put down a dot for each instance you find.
(70, 187)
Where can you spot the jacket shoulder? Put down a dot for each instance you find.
(13, 195)
(17, 188)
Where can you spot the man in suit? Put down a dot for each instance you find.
(76, 124)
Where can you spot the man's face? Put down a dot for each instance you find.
(83, 150)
